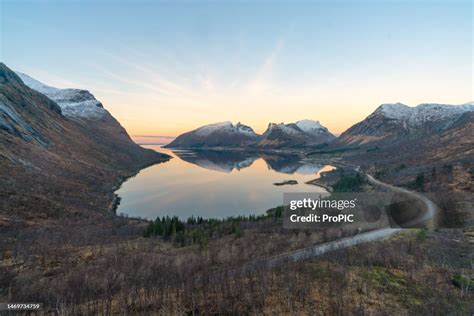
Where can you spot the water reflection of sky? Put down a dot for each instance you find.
(215, 184)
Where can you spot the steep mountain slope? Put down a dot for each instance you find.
(456, 143)
(301, 133)
(55, 166)
(428, 147)
(81, 106)
(73, 102)
(223, 134)
(395, 122)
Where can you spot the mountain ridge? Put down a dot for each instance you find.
(389, 122)
(73, 102)
(216, 134)
(277, 135)
(393, 121)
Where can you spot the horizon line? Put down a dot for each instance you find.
(153, 136)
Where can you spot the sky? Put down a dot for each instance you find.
(163, 68)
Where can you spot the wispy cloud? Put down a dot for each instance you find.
(198, 84)
(152, 78)
(262, 83)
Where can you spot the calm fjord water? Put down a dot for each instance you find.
(215, 184)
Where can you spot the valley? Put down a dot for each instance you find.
(63, 156)
(236, 158)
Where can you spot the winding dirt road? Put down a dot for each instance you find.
(431, 209)
(320, 249)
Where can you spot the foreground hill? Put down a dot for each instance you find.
(277, 136)
(55, 165)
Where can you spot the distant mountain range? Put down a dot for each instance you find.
(225, 134)
(63, 143)
(387, 125)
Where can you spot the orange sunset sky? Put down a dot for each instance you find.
(164, 68)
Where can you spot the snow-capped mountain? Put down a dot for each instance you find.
(223, 134)
(73, 102)
(299, 134)
(393, 120)
(416, 116)
(85, 110)
(311, 127)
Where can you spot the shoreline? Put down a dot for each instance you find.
(116, 199)
(316, 183)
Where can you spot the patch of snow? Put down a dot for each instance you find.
(224, 127)
(311, 126)
(414, 116)
(244, 129)
(73, 102)
(395, 110)
(206, 130)
(289, 129)
(283, 127)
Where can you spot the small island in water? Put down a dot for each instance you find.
(286, 182)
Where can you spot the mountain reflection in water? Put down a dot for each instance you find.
(216, 184)
(227, 161)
